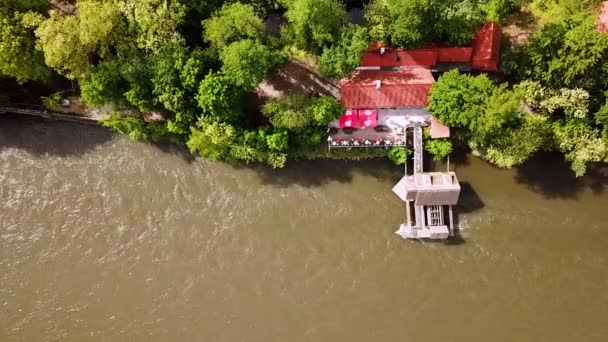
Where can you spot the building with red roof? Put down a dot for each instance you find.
(486, 47)
(386, 89)
(388, 101)
(483, 55)
(399, 57)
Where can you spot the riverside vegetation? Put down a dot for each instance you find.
(198, 61)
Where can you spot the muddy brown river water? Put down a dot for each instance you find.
(106, 239)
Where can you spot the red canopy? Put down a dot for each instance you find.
(349, 119)
(368, 118)
(439, 130)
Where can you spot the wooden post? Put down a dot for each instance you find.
(405, 144)
(448, 163)
(409, 214)
(451, 222)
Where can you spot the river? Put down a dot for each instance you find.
(107, 239)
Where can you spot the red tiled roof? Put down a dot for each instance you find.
(399, 57)
(403, 88)
(455, 54)
(486, 47)
(602, 24)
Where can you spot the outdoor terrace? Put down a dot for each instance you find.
(389, 129)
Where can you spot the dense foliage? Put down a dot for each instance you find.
(407, 23)
(557, 101)
(186, 70)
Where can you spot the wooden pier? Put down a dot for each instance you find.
(431, 195)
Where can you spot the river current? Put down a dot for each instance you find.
(107, 239)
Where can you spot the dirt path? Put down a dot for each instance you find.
(297, 76)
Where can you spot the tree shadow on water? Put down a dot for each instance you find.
(549, 175)
(468, 201)
(314, 173)
(179, 150)
(40, 136)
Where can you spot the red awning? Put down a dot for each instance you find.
(349, 119)
(439, 130)
(368, 118)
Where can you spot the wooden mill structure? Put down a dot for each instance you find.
(431, 195)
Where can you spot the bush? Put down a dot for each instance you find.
(398, 154)
(438, 148)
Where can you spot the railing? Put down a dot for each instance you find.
(357, 143)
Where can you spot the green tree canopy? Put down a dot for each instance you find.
(398, 154)
(247, 62)
(315, 24)
(458, 100)
(18, 56)
(232, 23)
(291, 112)
(343, 57)
(212, 139)
(155, 22)
(324, 110)
(438, 148)
(219, 97)
(407, 23)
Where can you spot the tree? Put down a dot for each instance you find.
(129, 125)
(438, 148)
(138, 74)
(398, 154)
(219, 97)
(100, 24)
(277, 141)
(564, 54)
(502, 109)
(103, 84)
(291, 112)
(407, 23)
(247, 62)
(315, 24)
(18, 56)
(59, 39)
(342, 58)
(498, 10)
(177, 73)
(212, 139)
(455, 21)
(232, 23)
(457, 99)
(580, 144)
(515, 144)
(324, 110)
(155, 22)
(276, 160)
